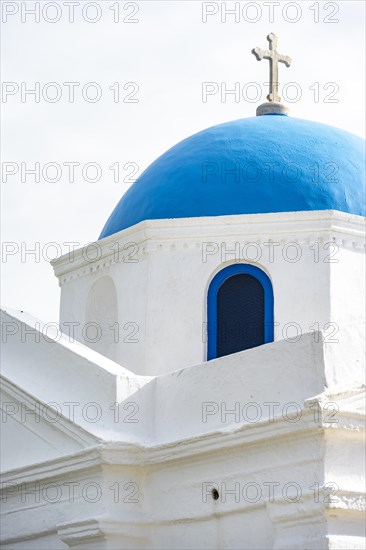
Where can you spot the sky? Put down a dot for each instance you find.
(115, 84)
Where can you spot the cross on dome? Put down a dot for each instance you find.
(274, 106)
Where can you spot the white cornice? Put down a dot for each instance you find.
(346, 230)
(218, 442)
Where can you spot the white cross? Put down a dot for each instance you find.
(274, 58)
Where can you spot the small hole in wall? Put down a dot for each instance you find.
(215, 494)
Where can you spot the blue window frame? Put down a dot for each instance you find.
(239, 310)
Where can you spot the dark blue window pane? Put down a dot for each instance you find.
(240, 314)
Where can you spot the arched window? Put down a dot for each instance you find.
(239, 310)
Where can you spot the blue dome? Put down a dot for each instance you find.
(270, 163)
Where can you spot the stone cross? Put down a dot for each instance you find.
(274, 58)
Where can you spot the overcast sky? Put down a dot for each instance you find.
(148, 61)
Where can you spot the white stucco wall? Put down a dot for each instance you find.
(174, 455)
(193, 427)
(347, 291)
(162, 280)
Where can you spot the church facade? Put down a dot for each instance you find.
(207, 388)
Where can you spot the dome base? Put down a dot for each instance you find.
(272, 108)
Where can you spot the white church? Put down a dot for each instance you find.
(207, 391)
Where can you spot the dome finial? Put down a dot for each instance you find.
(273, 106)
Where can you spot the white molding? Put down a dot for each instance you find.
(136, 454)
(98, 529)
(346, 230)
